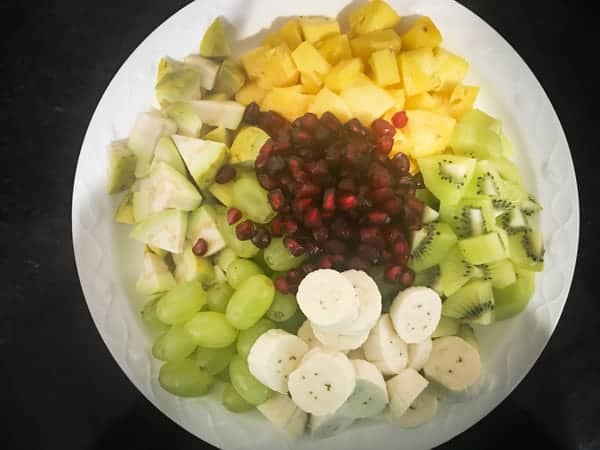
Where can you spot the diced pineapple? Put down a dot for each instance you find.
(335, 48)
(290, 34)
(289, 102)
(326, 100)
(363, 46)
(429, 132)
(254, 60)
(311, 82)
(451, 68)
(316, 28)
(308, 59)
(418, 70)
(422, 33)
(385, 67)
(279, 70)
(250, 92)
(462, 100)
(368, 102)
(399, 98)
(372, 16)
(425, 100)
(344, 74)
(401, 143)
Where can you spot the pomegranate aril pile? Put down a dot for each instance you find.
(342, 202)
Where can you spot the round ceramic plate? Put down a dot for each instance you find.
(108, 262)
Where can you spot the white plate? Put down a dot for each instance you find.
(108, 261)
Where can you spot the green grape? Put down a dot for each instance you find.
(214, 360)
(293, 323)
(284, 306)
(234, 401)
(173, 345)
(250, 301)
(249, 388)
(239, 270)
(243, 249)
(211, 330)
(181, 303)
(248, 337)
(151, 320)
(184, 378)
(250, 198)
(223, 376)
(217, 297)
(279, 258)
(224, 258)
(260, 260)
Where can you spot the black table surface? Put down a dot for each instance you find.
(59, 387)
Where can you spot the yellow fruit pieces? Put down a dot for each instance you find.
(418, 69)
(316, 28)
(290, 102)
(372, 16)
(335, 48)
(385, 67)
(422, 33)
(363, 46)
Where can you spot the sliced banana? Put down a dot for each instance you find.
(337, 341)
(421, 411)
(283, 413)
(322, 427)
(385, 349)
(322, 382)
(415, 313)
(273, 356)
(305, 332)
(454, 363)
(370, 395)
(418, 354)
(369, 299)
(328, 300)
(404, 389)
(358, 353)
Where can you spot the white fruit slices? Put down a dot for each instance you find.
(334, 369)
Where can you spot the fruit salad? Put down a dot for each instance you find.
(327, 222)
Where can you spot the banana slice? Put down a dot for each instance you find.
(281, 411)
(328, 300)
(369, 299)
(274, 355)
(322, 382)
(322, 427)
(418, 354)
(370, 394)
(337, 341)
(404, 389)
(419, 412)
(358, 353)
(415, 313)
(454, 363)
(385, 349)
(305, 332)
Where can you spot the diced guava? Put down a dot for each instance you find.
(121, 167)
(202, 225)
(222, 192)
(216, 96)
(247, 144)
(207, 69)
(165, 229)
(214, 43)
(231, 78)
(202, 158)
(171, 190)
(227, 114)
(167, 65)
(179, 86)
(124, 212)
(166, 152)
(141, 205)
(219, 134)
(185, 116)
(155, 276)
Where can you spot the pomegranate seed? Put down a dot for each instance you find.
(325, 262)
(312, 218)
(357, 263)
(308, 268)
(418, 181)
(267, 148)
(306, 153)
(338, 262)
(331, 121)
(322, 134)
(369, 233)
(277, 226)
(386, 256)
(341, 229)
(275, 164)
(393, 273)
(302, 204)
(334, 152)
(401, 259)
(200, 247)
(271, 121)
(378, 218)
(261, 161)
(334, 246)
(282, 285)
(393, 206)
(290, 225)
(225, 174)
(355, 127)
(294, 276)
(312, 248)
(347, 201)
(300, 137)
(400, 247)
(393, 232)
(401, 163)
(276, 199)
(261, 238)
(385, 144)
(320, 234)
(319, 172)
(233, 215)
(407, 277)
(281, 143)
(382, 194)
(381, 127)
(356, 155)
(308, 190)
(251, 113)
(400, 119)
(309, 121)
(326, 215)
(380, 177)
(347, 185)
(293, 246)
(244, 230)
(266, 181)
(329, 199)
(368, 252)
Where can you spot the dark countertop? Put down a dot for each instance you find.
(60, 388)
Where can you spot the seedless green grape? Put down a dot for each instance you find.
(184, 378)
(249, 388)
(211, 330)
(234, 401)
(214, 360)
(247, 337)
(250, 301)
(250, 198)
(293, 323)
(279, 258)
(217, 297)
(181, 303)
(224, 258)
(284, 306)
(173, 345)
(240, 270)
(151, 320)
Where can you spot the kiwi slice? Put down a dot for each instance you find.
(484, 249)
(507, 170)
(513, 221)
(501, 205)
(428, 198)
(479, 119)
(472, 216)
(527, 250)
(486, 181)
(499, 273)
(430, 214)
(529, 205)
(455, 272)
(468, 334)
(475, 141)
(430, 245)
(513, 299)
(446, 327)
(473, 303)
(430, 278)
(447, 176)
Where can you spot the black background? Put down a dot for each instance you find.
(59, 387)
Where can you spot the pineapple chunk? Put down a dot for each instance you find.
(385, 67)
(335, 48)
(308, 59)
(401, 143)
(279, 70)
(399, 98)
(316, 28)
(368, 102)
(345, 74)
(462, 100)
(372, 16)
(422, 33)
(289, 34)
(311, 82)
(451, 68)
(418, 69)
(250, 92)
(363, 46)
(289, 102)
(425, 100)
(254, 60)
(326, 100)
(429, 132)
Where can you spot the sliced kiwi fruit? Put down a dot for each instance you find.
(455, 272)
(507, 170)
(430, 214)
(447, 176)
(529, 205)
(514, 221)
(430, 245)
(527, 250)
(475, 141)
(484, 249)
(473, 303)
(446, 327)
(479, 119)
(500, 273)
(428, 198)
(472, 216)
(486, 181)
(513, 299)
(468, 334)
(501, 205)
(430, 278)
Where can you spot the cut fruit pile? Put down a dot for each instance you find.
(328, 243)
